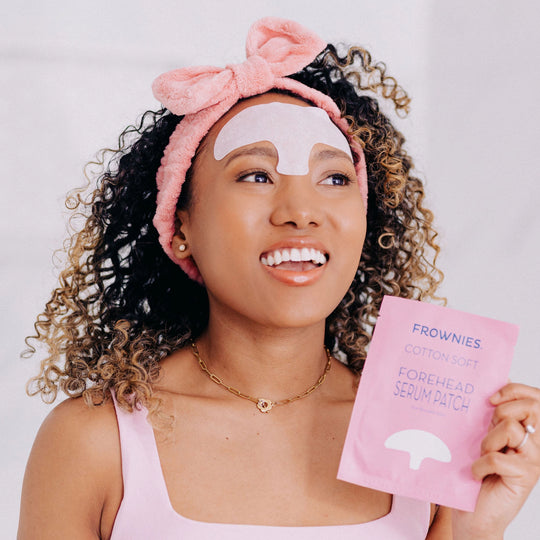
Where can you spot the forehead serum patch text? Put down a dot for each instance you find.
(292, 129)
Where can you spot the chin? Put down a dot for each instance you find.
(297, 316)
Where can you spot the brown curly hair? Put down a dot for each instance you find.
(122, 305)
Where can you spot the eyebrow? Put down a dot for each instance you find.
(330, 154)
(254, 151)
(270, 151)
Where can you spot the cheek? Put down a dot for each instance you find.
(352, 236)
(222, 235)
(350, 220)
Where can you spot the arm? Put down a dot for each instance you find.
(508, 475)
(441, 525)
(73, 479)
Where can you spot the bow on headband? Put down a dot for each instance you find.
(274, 48)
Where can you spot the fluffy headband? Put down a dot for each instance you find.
(275, 48)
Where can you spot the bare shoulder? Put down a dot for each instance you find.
(73, 483)
(74, 434)
(70, 413)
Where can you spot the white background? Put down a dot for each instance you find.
(74, 74)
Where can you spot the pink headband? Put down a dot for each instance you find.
(275, 48)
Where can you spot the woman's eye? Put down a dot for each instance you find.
(256, 178)
(336, 180)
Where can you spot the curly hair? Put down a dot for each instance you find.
(121, 305)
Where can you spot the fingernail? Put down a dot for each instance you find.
(495, 397)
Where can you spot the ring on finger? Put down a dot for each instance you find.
(529, 429)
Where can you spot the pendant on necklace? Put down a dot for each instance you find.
(264, 405)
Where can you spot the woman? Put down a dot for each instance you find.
(285, 211)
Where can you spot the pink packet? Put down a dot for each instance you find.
(422, 407)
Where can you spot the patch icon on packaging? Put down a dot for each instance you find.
(422, 407)
(419, 444)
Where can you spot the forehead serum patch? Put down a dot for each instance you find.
(292, 129)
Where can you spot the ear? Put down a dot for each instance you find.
(180, 241)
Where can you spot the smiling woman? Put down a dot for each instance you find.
(237, 244)
(259, 199)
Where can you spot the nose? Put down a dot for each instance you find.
(297, 204)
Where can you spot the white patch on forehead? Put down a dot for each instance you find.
(292, 129)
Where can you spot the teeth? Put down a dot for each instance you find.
(296, 255)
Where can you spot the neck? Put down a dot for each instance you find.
(274, 363)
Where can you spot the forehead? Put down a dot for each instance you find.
(269, 97)
(290, 125)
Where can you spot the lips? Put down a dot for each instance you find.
(298, 261)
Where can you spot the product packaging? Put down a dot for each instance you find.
(422, 407)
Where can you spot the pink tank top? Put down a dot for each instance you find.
(146, 512)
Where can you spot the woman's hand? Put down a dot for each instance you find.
(509, 465)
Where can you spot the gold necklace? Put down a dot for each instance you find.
(263, 404)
